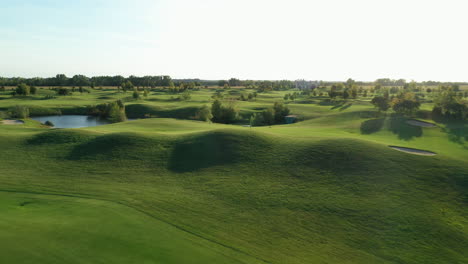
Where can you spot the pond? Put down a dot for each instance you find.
(72, 121)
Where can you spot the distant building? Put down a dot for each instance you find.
(290, 119)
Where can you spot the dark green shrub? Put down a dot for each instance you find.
(49, 123)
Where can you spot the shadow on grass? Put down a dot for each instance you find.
(456, 129)
(174, 99)
(338, 105)
(457, 132)
(346, 106)
(204, 151)
(397, 124)
(372, 126)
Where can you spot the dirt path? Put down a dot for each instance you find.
(12, 122)
(414, 151)
(420, 123)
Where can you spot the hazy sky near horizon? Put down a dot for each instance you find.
(247, 39)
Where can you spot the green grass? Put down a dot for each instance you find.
(180, 191)
(57, 229)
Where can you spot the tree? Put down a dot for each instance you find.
(63, 91)
(136, 94)
(204, 114)
(354, 93)
(450, 106)
(61, 80)
(145, 93)
(216, 111)
(345, 94)
(127, 86)
(33, 89)
(350, 83)
(23, 89)
(455, 87)
(377, 87)
(116, 112)
(223, 114)
(222, 83)
(280, 111)
(257, 119)
(234, 82)
(268, 117)
(405, 103)
(80, 80)
(381, 103)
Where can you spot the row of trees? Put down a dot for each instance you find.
(82, 80)
(227, 113)
(270, 116)
(404, 103)
(25, 90)
(258, 85)
(447, 105)
(450, 106)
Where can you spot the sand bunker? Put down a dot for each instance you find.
(414, 151)
(12, 122)
(420, 123)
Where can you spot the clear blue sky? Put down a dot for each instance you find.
(247, 39)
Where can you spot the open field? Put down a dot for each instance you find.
(169, 189)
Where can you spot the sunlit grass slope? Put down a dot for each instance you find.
(250, 195)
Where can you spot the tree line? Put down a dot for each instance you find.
(447, 105)
(82, 80)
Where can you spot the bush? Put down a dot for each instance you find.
(372, 126)
(114, 112)
(223, 114)
(204, 114)
(63, 91)
(136, 95)
(20, 111)
(185, 96)
(23, 89)
(49, 123)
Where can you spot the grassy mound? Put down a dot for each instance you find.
(126, 146)
(60, 137)
(217, 148)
